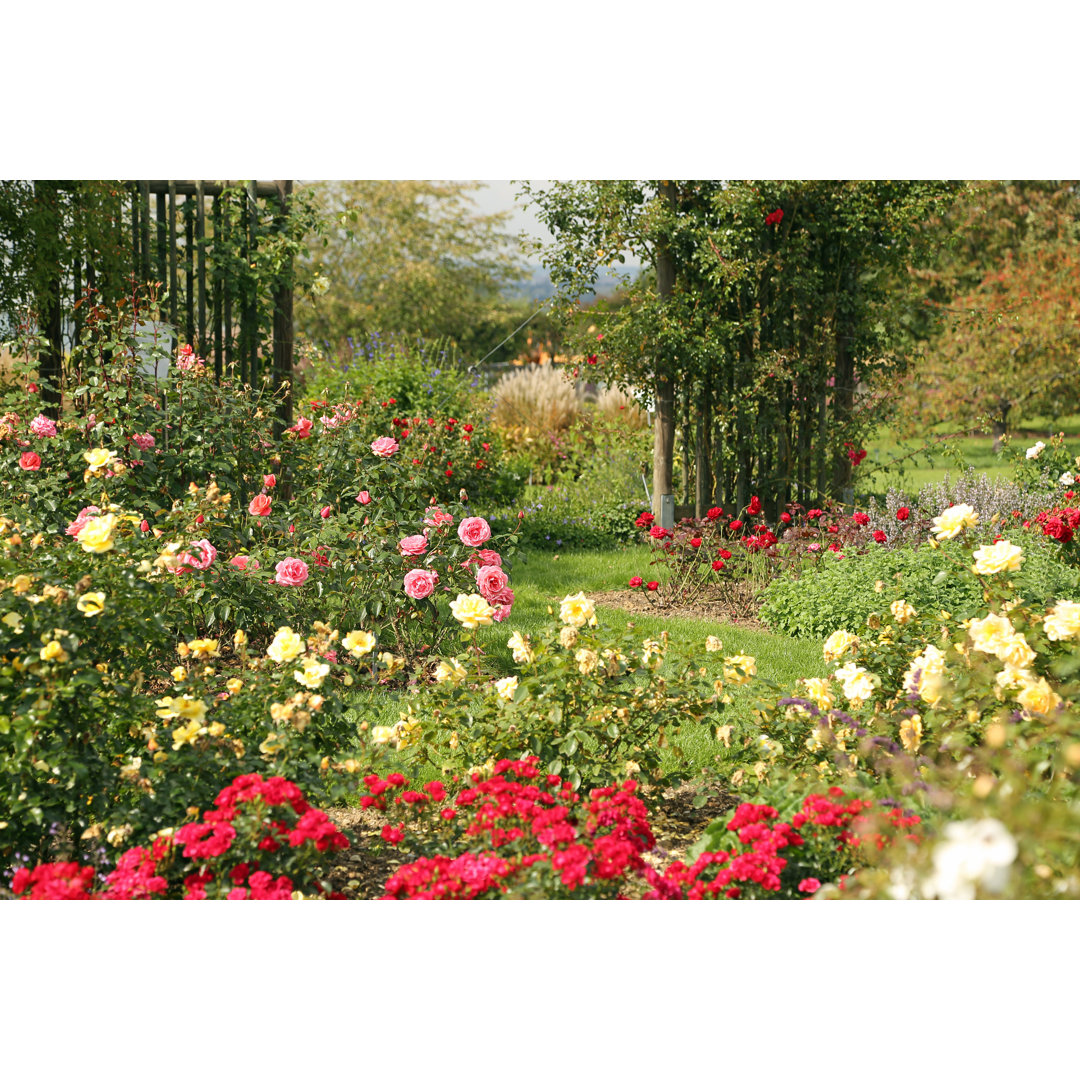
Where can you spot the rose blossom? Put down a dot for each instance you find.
(85, 514)
(420, 584)
(474, 531)
(29, 461)
(489, 581)
(291, 572)
(439, 517)
(269, 480)
(324, 513)
(43, 427)
(302, 427)
(260, 506)
(363, 498)
(413, 545)
(635, 582)
(241, 562)
(384, 447)
(143, 442)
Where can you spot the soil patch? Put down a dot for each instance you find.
(719, 603)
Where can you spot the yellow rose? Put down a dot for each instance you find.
(472, 611)
(1063, 622)
(1038, 698)
(203, 647)
(577, 610)
(911, 733)
(188, 733)
(240, 639)
(98, 460)
(586, 660)
(382, 735)
(520, 647)
(994, 558)
(713, 643)
(54, 651)
(179, 674)
(858, 684)
(234, 686)
(181, 708)
(358, 642)
(989, 634)
(902, 611)
(312, 673)
(450, 671)
(287, 645)
(96, 536)
(818, 692)
(21, 583)
(954, 520)
(838, 644)
(739, 669)
(1016, 652)
(506, 688)
(567, 637)
(91, 603)
(392, 663)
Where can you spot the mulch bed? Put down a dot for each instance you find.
(720, 603)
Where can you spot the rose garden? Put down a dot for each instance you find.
(433, 636)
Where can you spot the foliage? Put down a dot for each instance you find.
(411, 256)
(538, 399)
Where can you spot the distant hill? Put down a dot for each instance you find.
(538, 285)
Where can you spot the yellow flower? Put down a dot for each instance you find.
(203, 647)
(96, 536)
(312, 673)
(450, 671)
(506, 688)
(234, 686)
(14, 620)
(272, 744)
(392, 663)
(651, 649)
(520, 647)
(739, 669)
(181, 708)
(188, 733)
(54, 651)
(287, 645)
(925, 675)
(911, 733)
(858, 683)
(98, 460)
(838, 644)
(577, 610)
(21, 583)
(818, 692)
(713, 643)
(216, 729)
(1038, 698)
(178, 673)
(358, 642)
(954, 520)
(567, 637)
(990, 634)
(902, 611)
(1063, 622)
(1016, 652)
(472, 611)
(382, 735)
(240, 639)
(586, 660)
(994, 558)
(91, 603)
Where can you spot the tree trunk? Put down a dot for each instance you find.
(702, 449)
(999, 427)
(664, 391)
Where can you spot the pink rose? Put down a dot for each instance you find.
(474, 531)
(438, 518)
(29, 461)
(207, 554)
(420, 584)
(302, 428)
(269, 480)
(490, 580)
(260, 506)
(504, 596)
(42, 427)
(363, 498)
(501, 612)
(384, 447)
(85, 514)
(291, 572)
(144, 526)
(413, 545)
(242, 562)
(143, 442)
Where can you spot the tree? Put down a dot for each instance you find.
(770, 315)
(1006, 294)
(412, 256)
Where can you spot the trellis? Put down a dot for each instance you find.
(217, 323)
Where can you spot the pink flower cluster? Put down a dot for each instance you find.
(291, 571)
(43, 427)
(420, 584)
(188, 563)
(84, 515)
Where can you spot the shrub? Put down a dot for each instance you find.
(619, 407)
(842, 593)
(538, 398)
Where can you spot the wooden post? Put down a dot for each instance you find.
(664, 391)
(283, 322)
(253, 300)
(134, 228)
(174, 284)
(226, 234)
(218, 284)
(47, 253)
(159, 200)
(200, 253)
(144, 230)
(702, 449)
(189, 267)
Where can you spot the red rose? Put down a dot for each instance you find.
(29, 461)
(718, 564)
(755, 505)
(809, 885)
(904, 513)
(879, 536)
(658, 533)
(714, 513)
(724, 553)
(785, 517)
(260, 506)
(834, 528)
(861, 519)
(775, 217)
(734, 526)
(635, 582)
(695, 542)
(653, 586)
(812, 514)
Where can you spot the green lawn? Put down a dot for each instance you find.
(540, 580)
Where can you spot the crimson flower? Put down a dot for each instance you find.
(635, 582)
(903, 514)
(775, 217)
(714, 513)
(735, 526)
(653, 586)
(879, 536)
(695, 542)
(755, 505)
(718, 564)
(785, 517)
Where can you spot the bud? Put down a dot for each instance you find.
(324, 513)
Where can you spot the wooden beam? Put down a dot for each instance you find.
(174, 284)
(264, 189)
(200, 253)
